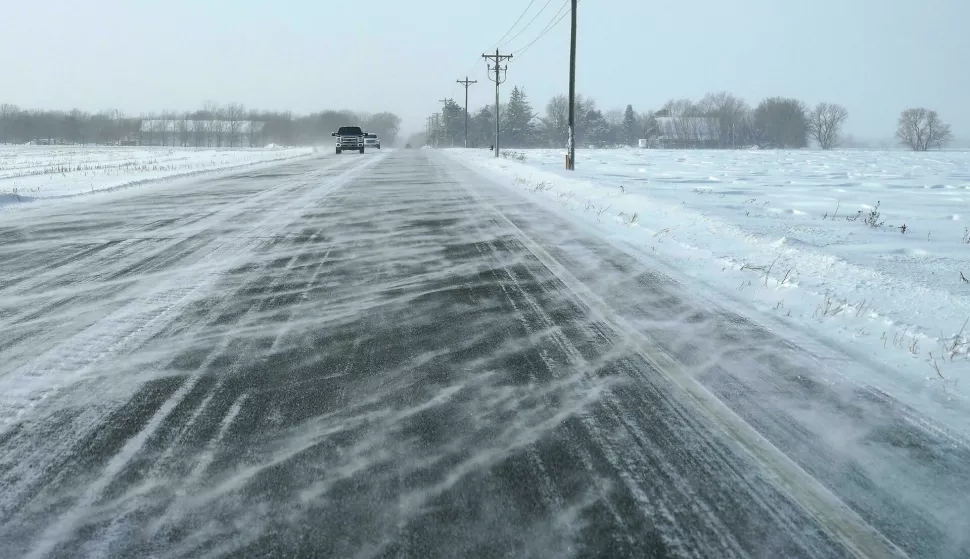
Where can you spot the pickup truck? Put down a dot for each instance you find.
(349, 138)
(372, 141)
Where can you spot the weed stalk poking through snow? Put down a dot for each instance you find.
(958, 345)
(872, 220)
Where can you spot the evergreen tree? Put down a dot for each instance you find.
(584, 108)
(481, 128)
(518, 126)
(630, 126)
(452, 124)
(781, 123)
(596, 129)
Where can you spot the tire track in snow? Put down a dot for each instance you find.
(841, 522)
(899, 462)
(548, 490)
(129, 327)
(193, 480)
(53, 453)
(240, 355)
(74, 267)
(676, 534)
(439, 391)
(170, 299)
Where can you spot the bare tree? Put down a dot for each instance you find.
(159, 126)
(128, 128)
(182, 128)
(103, 126)
(198, 131)
(172, 126)
(825, 124)
(648, 125)
(682, 111)
(921, 129)
(120, 125)
(210, 114)
(8, 113)
(614, 117)
(59, 127)
(73, 127)
(233, 113)
(286, 128)
(556, 121)
(217, 129)
(725, 116)
(256, 124)
(208, 131)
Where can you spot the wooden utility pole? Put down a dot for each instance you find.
(571, 158)
(466, 82)
(498, 58)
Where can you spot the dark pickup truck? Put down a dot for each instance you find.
(349, 138)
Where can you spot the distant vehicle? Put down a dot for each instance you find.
(372, 141)
(407, 146)
(349, 138)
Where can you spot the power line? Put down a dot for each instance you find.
(552, 24)
(542, 33)
(454, 88)
(522, 15)
(521, 31)
(549, 27)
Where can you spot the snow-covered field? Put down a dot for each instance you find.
(814, 239)
(36, 172)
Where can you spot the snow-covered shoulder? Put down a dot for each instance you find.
(41, 172)
(867, 250)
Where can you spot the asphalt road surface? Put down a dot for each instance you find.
(390, 355)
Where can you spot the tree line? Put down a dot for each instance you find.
(230, 125)
(718, 120)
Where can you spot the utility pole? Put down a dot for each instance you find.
(427, 133)
(444, 105)
(466, 82)
(571, 158)
(498, 58)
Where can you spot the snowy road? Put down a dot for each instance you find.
(392, 356)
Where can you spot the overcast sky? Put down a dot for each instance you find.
(876, 57)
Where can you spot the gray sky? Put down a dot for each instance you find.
(876, 57)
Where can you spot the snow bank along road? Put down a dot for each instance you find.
(42, 172)
(389, 355)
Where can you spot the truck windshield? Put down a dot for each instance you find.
(350, 130)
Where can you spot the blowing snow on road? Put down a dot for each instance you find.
(396, 355)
